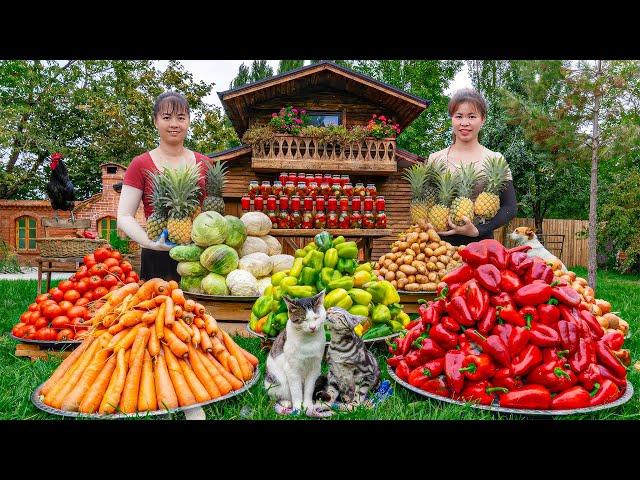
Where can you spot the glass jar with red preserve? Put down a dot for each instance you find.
(325, 190)
(283, 215)
(332, 204)
(371, 190)
(313, 189)
(254, 188)
(258, 204)
(277, 188)
(289, 189)
(301, 189)
(347, 189)
(368, 219)
(343, 203)
(381, 219)
(358, 190)
(368, 204)
(308, 178)
(273, 216)
(271, 202)
(332, 219)
(293, 177)
(308, 204)
(307, 219)
(265, 189)
(336, 189)
(356, 219)
(320, 204)
(328, 178)
(283, 178)
(320, 218)
(380, 204)
(317, 178)
(336, 180)
(356, 204)
(344, 179)
(245, 203)
(344, 220)
(295, 219)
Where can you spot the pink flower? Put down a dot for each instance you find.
(374, 115)
(295, 110)
(383, 118)
(303, 112)
(298, 121)
(274, 115)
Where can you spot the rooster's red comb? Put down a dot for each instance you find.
(56, 156)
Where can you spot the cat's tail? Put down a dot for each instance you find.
(322, 382)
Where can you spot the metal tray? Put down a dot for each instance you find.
(47, 343)
(626, 396)
(35, 398)
(421, 292)
(371, 340)
(220, 298)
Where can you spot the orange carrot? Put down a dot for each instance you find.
(129, 398)
(178, 296)
(146, 304)
(109, 320)
(188, 317)
(222, 384)
(131, 318)
(173, 285)
(182, 389)
(210, 324)
(114, 390)
(91, 401)
(178, 311)
(228, 376)
(149, 316)
(65, 366)
(147, 396)
(160, 299)
(195, 385)
(71, 401)
(146, 291)
(115, 299)
(154, 343)
(181, 331)
(162, 288)
(253, 360)
(189, 305)
(195, 336)
(115, 328)
(160, 321)
(234, 349)
(69, 380)
(202, 373)
(177, 346)
(128, 339)
(205, 341)
(218, 347)
(234, 366)
(117, 337)
(165, 393)
(199, 309)
(169, 313)
(199, 322)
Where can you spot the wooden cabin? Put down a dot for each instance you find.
(334, 94)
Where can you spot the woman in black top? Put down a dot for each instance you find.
(468, 112)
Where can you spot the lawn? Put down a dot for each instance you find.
(19, 377)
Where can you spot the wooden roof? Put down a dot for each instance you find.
(238, 102)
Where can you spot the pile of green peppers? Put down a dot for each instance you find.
(331, 264)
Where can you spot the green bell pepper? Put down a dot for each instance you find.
(347, 265)
(396, 326)
(299, 291)
(323, 241)
(309, 276)
(281, 319)
(360, 278)
(282, 306)
(262, 306)
(335, 297)
(395, 309)
(309, 247)
(381, 314)
(277, 293)
(296, 269)
(336, 275)
(276, 278)
(383, 292)
(320, 285)
(269, 290)
(288, 281)
(359, 296)
(377, 331)
(300, 253)
(252, 321)
(338, 240)
(326, 275)
(268, 328)
(366, 267)
(275, 305)
(403, 318)
(344, 282)
(359, 310)
(331, 258)
(314, 259)
(348, 250)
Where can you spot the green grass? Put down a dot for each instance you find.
(19, 377)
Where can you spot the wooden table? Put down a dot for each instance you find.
(42, 268)
(363, 237)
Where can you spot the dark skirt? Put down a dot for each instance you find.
(158, 264)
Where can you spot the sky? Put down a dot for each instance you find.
(222, 72)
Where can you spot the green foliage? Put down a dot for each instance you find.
(120, 244)
(259, 70)
(382, 127)
(289, 120)
(286, 65)
(9, 262)
(330, 134)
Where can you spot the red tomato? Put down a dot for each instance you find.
(44, 305)
(29, 331)
(98, 269)
(126, 267)
(100, 292)
(61, 321)
(99, 304)
(76, 312)
(25, 316)
(88, 295)
(117, 255)
(129, 280)
(41, 323)
(101, 254)
(109, 281)
(135, 276)
(83, 285)
(115, 287)
(94, 282)
(82, 272)
(87, 316)
(42, 297)
(111, 262)
(117, 270)
(33, 317)
(48, 333)
(33, 307)
(78, 323)
(52, 311)
(65, 285)
(56, 294)
(89, 260)
(72, 295)
(82, 301)
(72, 278)
(66, 334)
(18, 329)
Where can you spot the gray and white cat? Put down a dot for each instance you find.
(295, 359)
(353, 370)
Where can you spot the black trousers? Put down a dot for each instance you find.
(158, 264)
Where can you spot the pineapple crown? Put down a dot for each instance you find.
(417, 176)
(496, 170)
(158, 189)
(181, 195)
(447, 186)
(216, 173)
(466, 179)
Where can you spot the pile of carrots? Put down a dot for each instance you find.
(149, 349)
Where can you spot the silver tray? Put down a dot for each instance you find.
(406, 292)
(626, 396)
(220, 298)
(48, 343)
(35, 398)
(371, 340)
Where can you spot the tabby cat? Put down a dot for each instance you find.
(295, 359)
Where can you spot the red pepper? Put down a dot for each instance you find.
(593, 323)
(590, 376)
(458, 310)
(511, 315)
(459, 275)
(409, 338)
(403, 371)
(443, 337)
(477, 367)
(509, 281)
(533, 294)
(477, 299)
(606, 373)
(443, 289)
(528, 396)
(428, 314)
(467, 346)
(502, 300)
(539, 271)
(566, 295)
(572, 398)
(450, 324)
(489, 277)
(515, 338)
(530, 357)
(480, 392)
(488, 321)
(413, 323)
(504, 377)
(609, 360)
(520, 248)
(605, 393)
(492, 345)
(437, 386)
(552, 376)
(520, 263)
(614, 340)
(496, 252)
(548, 314)
(544, 336)
(426, 372)
(581, 358)
(394, 361)
(430, 350)
(558, 356)
(530, 315)
(460, 290)
(568, 335)
(475, 253)
(452, 364)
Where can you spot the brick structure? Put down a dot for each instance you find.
(99, 207)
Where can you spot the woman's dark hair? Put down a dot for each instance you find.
(468, 95)
(173, 102)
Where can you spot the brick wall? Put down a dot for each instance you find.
(99, 206)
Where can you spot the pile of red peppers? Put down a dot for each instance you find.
(504, 331)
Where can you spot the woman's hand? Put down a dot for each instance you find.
(468, 229)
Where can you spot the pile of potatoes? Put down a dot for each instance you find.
(418, 260)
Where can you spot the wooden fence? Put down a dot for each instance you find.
(574, 249)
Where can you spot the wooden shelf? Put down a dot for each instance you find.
(312, 232)
(310, 166)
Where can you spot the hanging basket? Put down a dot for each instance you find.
(57, 247)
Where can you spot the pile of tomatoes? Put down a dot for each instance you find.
(65, 312)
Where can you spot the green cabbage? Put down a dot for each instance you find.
(191, 269)
(214, 284)
(186, 253)
(236, 231)
(209, 228)
(220, 259)
(191, 284)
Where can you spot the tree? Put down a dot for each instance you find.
(259, 70)
(286, 65)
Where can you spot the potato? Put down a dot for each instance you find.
(604, 305)
(623, 326)
(422, 268)
(428, 252)
(440, 251)
(387, 262)
(456, 256)
(588, 291)
(394, 283)
(572, 275)
(432, 276)
(423, 246)
(557, 273)
(444, 259)
(604, 323)
(421, 278)
(412, 237)
(423, 236)
(394, 249)
(433, 236)
(433, 259)
(613, 319)
(400, 275)
(431, 266)
(420, 256)
(440, 265)
(431, 287)
(423, 287)
(408, 269)
(393, 267)
(434, 245)
(412, 287)
(589, 300)
(383, 271)
(596, 310)
(415, 247)
(390, 276)
(442, 272)
(581, 281)
(401, 283)
(411, 278)
(403, 246)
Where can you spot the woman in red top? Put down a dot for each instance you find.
(171, 119)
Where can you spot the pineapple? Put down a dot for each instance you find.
(157, 222)
(436, 167)
(417, 177)
(488, 202)
(215, 183)
(439, 213)
(462, 206)
(181, 198)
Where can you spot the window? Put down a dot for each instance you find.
(324, 119)
(26, 233)
(107, 225)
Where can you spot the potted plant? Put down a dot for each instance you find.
(289, 120)
(382, 127)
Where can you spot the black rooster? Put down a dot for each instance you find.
(60, 188)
